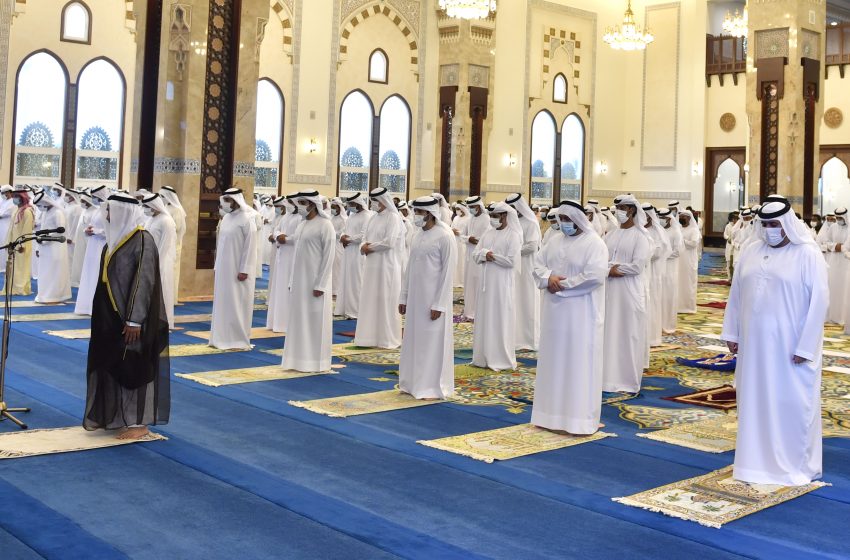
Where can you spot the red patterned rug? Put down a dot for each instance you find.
(714, 304)
(722, 397)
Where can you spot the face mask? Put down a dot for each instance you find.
(475, 211)
(375, 206)
(148, 211)
(278, 211)
(556, 225)
(622, 216)
(336, 211)
(303, 211)
(418, 221)
(840, 222)
(774, 236)
(351, 210)
(568, 228)
(496, 223)
(17, 201)
(813, 223)
(225, 210)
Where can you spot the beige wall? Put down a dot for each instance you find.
(36, 26)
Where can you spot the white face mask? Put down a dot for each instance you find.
(148, 211)
(813, 223)
(336, 211)
(622, 216)
(375, 206)
(225, 209)
(568, 228)
(496, 223)
(303, 211)
(418, 221)
(774, 235)
(278, 211)
(840, 221)
(351, 210)
(556, 225)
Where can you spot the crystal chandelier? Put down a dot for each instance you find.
(468, 9)
(736, 25)
(628, 36)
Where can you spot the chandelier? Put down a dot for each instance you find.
(468, 9)
(736, 25)
(628, 36)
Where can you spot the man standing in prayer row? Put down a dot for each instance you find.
(285, 242)
(96, 234)
(128, 371)
(498, 256)
(527, 294)
(688, 263)
(774, 323)
(554, 227)
(658, 272)
(178, 214)
(572, 269)
(7, 212)
(81, 240)
(308, 347)
(459, 225)
(626, 344)
(54, 282)
(670, 288)
(727, 235)
(351, 279)
(476, 227)
(73, 211)
(235, 266)
(162, 228)
(23, 223)
(338, 219)
(426, 366)
(832, 240)
(378, 323)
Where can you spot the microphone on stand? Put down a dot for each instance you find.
(49, 231)
(56, 238)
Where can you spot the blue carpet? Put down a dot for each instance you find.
(245, 474)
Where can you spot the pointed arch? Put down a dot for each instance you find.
(380, 9)
(573, 143)
(544, 136)
(356, 129)
(271, 115)
(76, 23)
(394, 145)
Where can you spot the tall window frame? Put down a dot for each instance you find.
(544, 146)
(560, 89)
(379, 63)
(263, 166)
(355, 174)
(561, 187)
(565, 183)
(388, 177)
(75, 8)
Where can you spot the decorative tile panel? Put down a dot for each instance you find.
(771, 43)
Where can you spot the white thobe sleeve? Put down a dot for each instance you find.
(394, 234)
(531, 240)
(541, 270)
(510, 259)
(247, 263)
(447, 267)
(691, 241)
(815, 279)
(640, 257)
(731, 317)
(358, 235)
(594, 275)
(323, 278)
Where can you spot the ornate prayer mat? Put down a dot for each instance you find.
(14, 445)
(347, 352)
(245, 375)
(27, 318)
(722, 398)
(714, 435)
(364, 403)
(256, 333)
(714, 499)
(653, 417)
(509, 443)
(189, 350)
(714, 304)
(31, 303)
(199, 318)
(71, 334)
(664, 348)
(484, 387)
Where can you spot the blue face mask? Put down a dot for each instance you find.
(568, 228)
(774, 235)
(556, 225)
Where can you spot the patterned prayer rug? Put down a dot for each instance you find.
(29, 318)
(653, 417)
(364, 403)
(714, 499)
(256, 333)
(484, 387)
(714, 304)
(722, 398)
(509, 443)
(71, 334)
(14, 445)
(188, 350)
(714, 435)
(245, 375)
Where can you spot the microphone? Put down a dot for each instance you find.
(49, 231)
(56, 238)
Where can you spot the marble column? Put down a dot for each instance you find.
(784, 82)
(6, 11)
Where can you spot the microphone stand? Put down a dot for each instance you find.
(6, 413)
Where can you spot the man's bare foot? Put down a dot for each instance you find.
(133, 433)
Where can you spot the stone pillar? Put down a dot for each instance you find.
(6, 11)
(784, 81)
(205, 116)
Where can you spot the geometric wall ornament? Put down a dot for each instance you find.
(833, 117)
(771, 43)
(727, 122)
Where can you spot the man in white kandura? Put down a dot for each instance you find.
(625, 299)
(235, 267)
(476, 227)
(308, 347)
(832, 239)
(498, 256)
(285, 242)
(54, 280)
(338, 219)
(178, 214)
(688, 262)
(351, 279)
(527, 294)
(774, 323)
(426, 366)
(554, 227)
(162, 228)
(658, 271)
(378, 322)
(459, 223)
(73, 211)
(96, 233)
(572, 269)
(670, 288)
(7, 212)
(81, 240)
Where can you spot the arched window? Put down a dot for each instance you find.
(76, 23)
(379, 67)
(40, 92)
(100, 125)
(559, 89)
(834, 186)
(269, 135)
(395, 145)
(543, 137)
(572, 158)
(355, 143)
